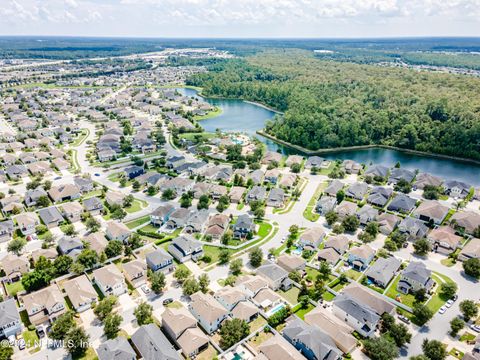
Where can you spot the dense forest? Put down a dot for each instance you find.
(329, 104)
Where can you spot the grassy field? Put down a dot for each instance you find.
(137, 222)
(14, 288)
(193, 136)
(211, 114)
(291, 295)
(309, 213)
(137, 205)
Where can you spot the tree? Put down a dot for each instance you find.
(236, 266)
(61, 326)
(136, 185)
(203, 202)
(151, 190)
(472, 267)
(422, 247)
(448, 289)
(256, 257)
(420, 294)
(135, 241)
(340, 196)
(185, 200)
(403, 186)
(296, 168)
(400, 334)
(36, 280)
(422, 314)
(324, 270)
(69, 230)
(43, 201)
(181, 273)
(62, 264)
(232, 331)
(469, 309)
(168, 194)
(6, 351)
(190, 286)
(331, 217)
(92, 224)
(203, 283)
(16, 246)
(111, 325)
(114, 248)
(380, 348)
(350, 223)
(143, 313)
(259, 213)
(434, 349)
(157, 281)
(456, 324)
(88, 258)
(105, 307)
(77, 341)
(372, 228)
(224, 256)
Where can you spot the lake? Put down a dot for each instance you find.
(241, 116)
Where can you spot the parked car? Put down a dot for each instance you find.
(442, 310)
(167, 301)
(449, 303)
(96, 174)
(404, 319)
(146, 289)
(475, 328)
(21, 344)
(455, 297)
(40, 331)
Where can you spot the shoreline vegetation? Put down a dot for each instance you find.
(308, 152)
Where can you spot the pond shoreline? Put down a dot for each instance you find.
(365, 147)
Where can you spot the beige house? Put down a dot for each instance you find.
(14, 267)
(27, 222)
(81, 293)
(444, 240)
(97, 241)
(236, 194)
(44, 305)
(470, 250)
(136, 272)
(117, 231)
(71, 211)
(208, 311)
(110, 280)
(469, 221)
(64, 192)
(278, 348)
(291, 262)
(114, 198)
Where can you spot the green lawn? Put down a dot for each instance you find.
(258, 323)
(392, 292)
(215, 112)
(193, 136)
(353, 274)
(90, 354)
(467, 336)
(30, 337)
(81, 137)
(137, 222)
(175, 305)
(328, 296)
(291, 295)
(14, 288)
(149, 228)
(309, 212)
(456, 353)
(301, 312)
(437, 300)
(448, 262)
(137, 205)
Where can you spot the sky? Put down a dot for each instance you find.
(241, 18)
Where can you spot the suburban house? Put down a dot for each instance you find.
(64, 192)
(71, 211)
(217, 225)
(93, 205)
(70, 245)
(197, 221)
(181, 327)
(184, 248)
(97, 241)
(276, 198)
(340, 332)
(311, 238)
(379, 196)
(431, 211)
(14, 267)
(208, 311)
(151, 344)
(414, 228)
(377, 171)
(27, 222)
(244, 227)
(114, 198)
(229, 296)
(310, 341)
(357, 191)
(360, 256)
(10, 323)
(32, 196)
(135, 272)
(470, 250)
(116, 349)
(426, 179)
(333, 249)
(133, 171)
(334, 187)
(351, 167)
(456, 189)
(400, 174)
(161, 214)
(160, 260)
(370, 298)
(178, 218)
(7, 228)
(468, 221)
(387, 223)
(50, 216)
(276, 277)
(367, 214)
(383, 270)
(236, 194)
(117, 231)
(414, 277)
(444, 240)
(81, 293)
(110, 280)
(346, 208)
(276, 347)
(357, 315)
(257, 193)
(84, 184)
(291, 263)
(402, 203)
(44, 305)
(325, 204)
(271, 176)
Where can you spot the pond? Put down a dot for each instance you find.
(238, 115)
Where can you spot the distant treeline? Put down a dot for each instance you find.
(331, 104)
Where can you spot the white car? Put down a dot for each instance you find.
(475, 328)
(449, 303)
(442, 310)
(145, 289)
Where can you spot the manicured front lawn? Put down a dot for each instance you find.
(14, 288)
(456, 353)
(291, 295)
(437, 300)
(137, 205)
(328, 296)
(30, 337)
(467, 336)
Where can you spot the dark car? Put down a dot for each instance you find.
(167, 301)
(404, 319)
(40, 331)
(96, 174)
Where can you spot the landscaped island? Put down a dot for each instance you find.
(331, 104)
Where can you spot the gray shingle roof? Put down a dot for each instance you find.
(152, 344)
(116, 349)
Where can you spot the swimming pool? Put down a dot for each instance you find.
(275, 309)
